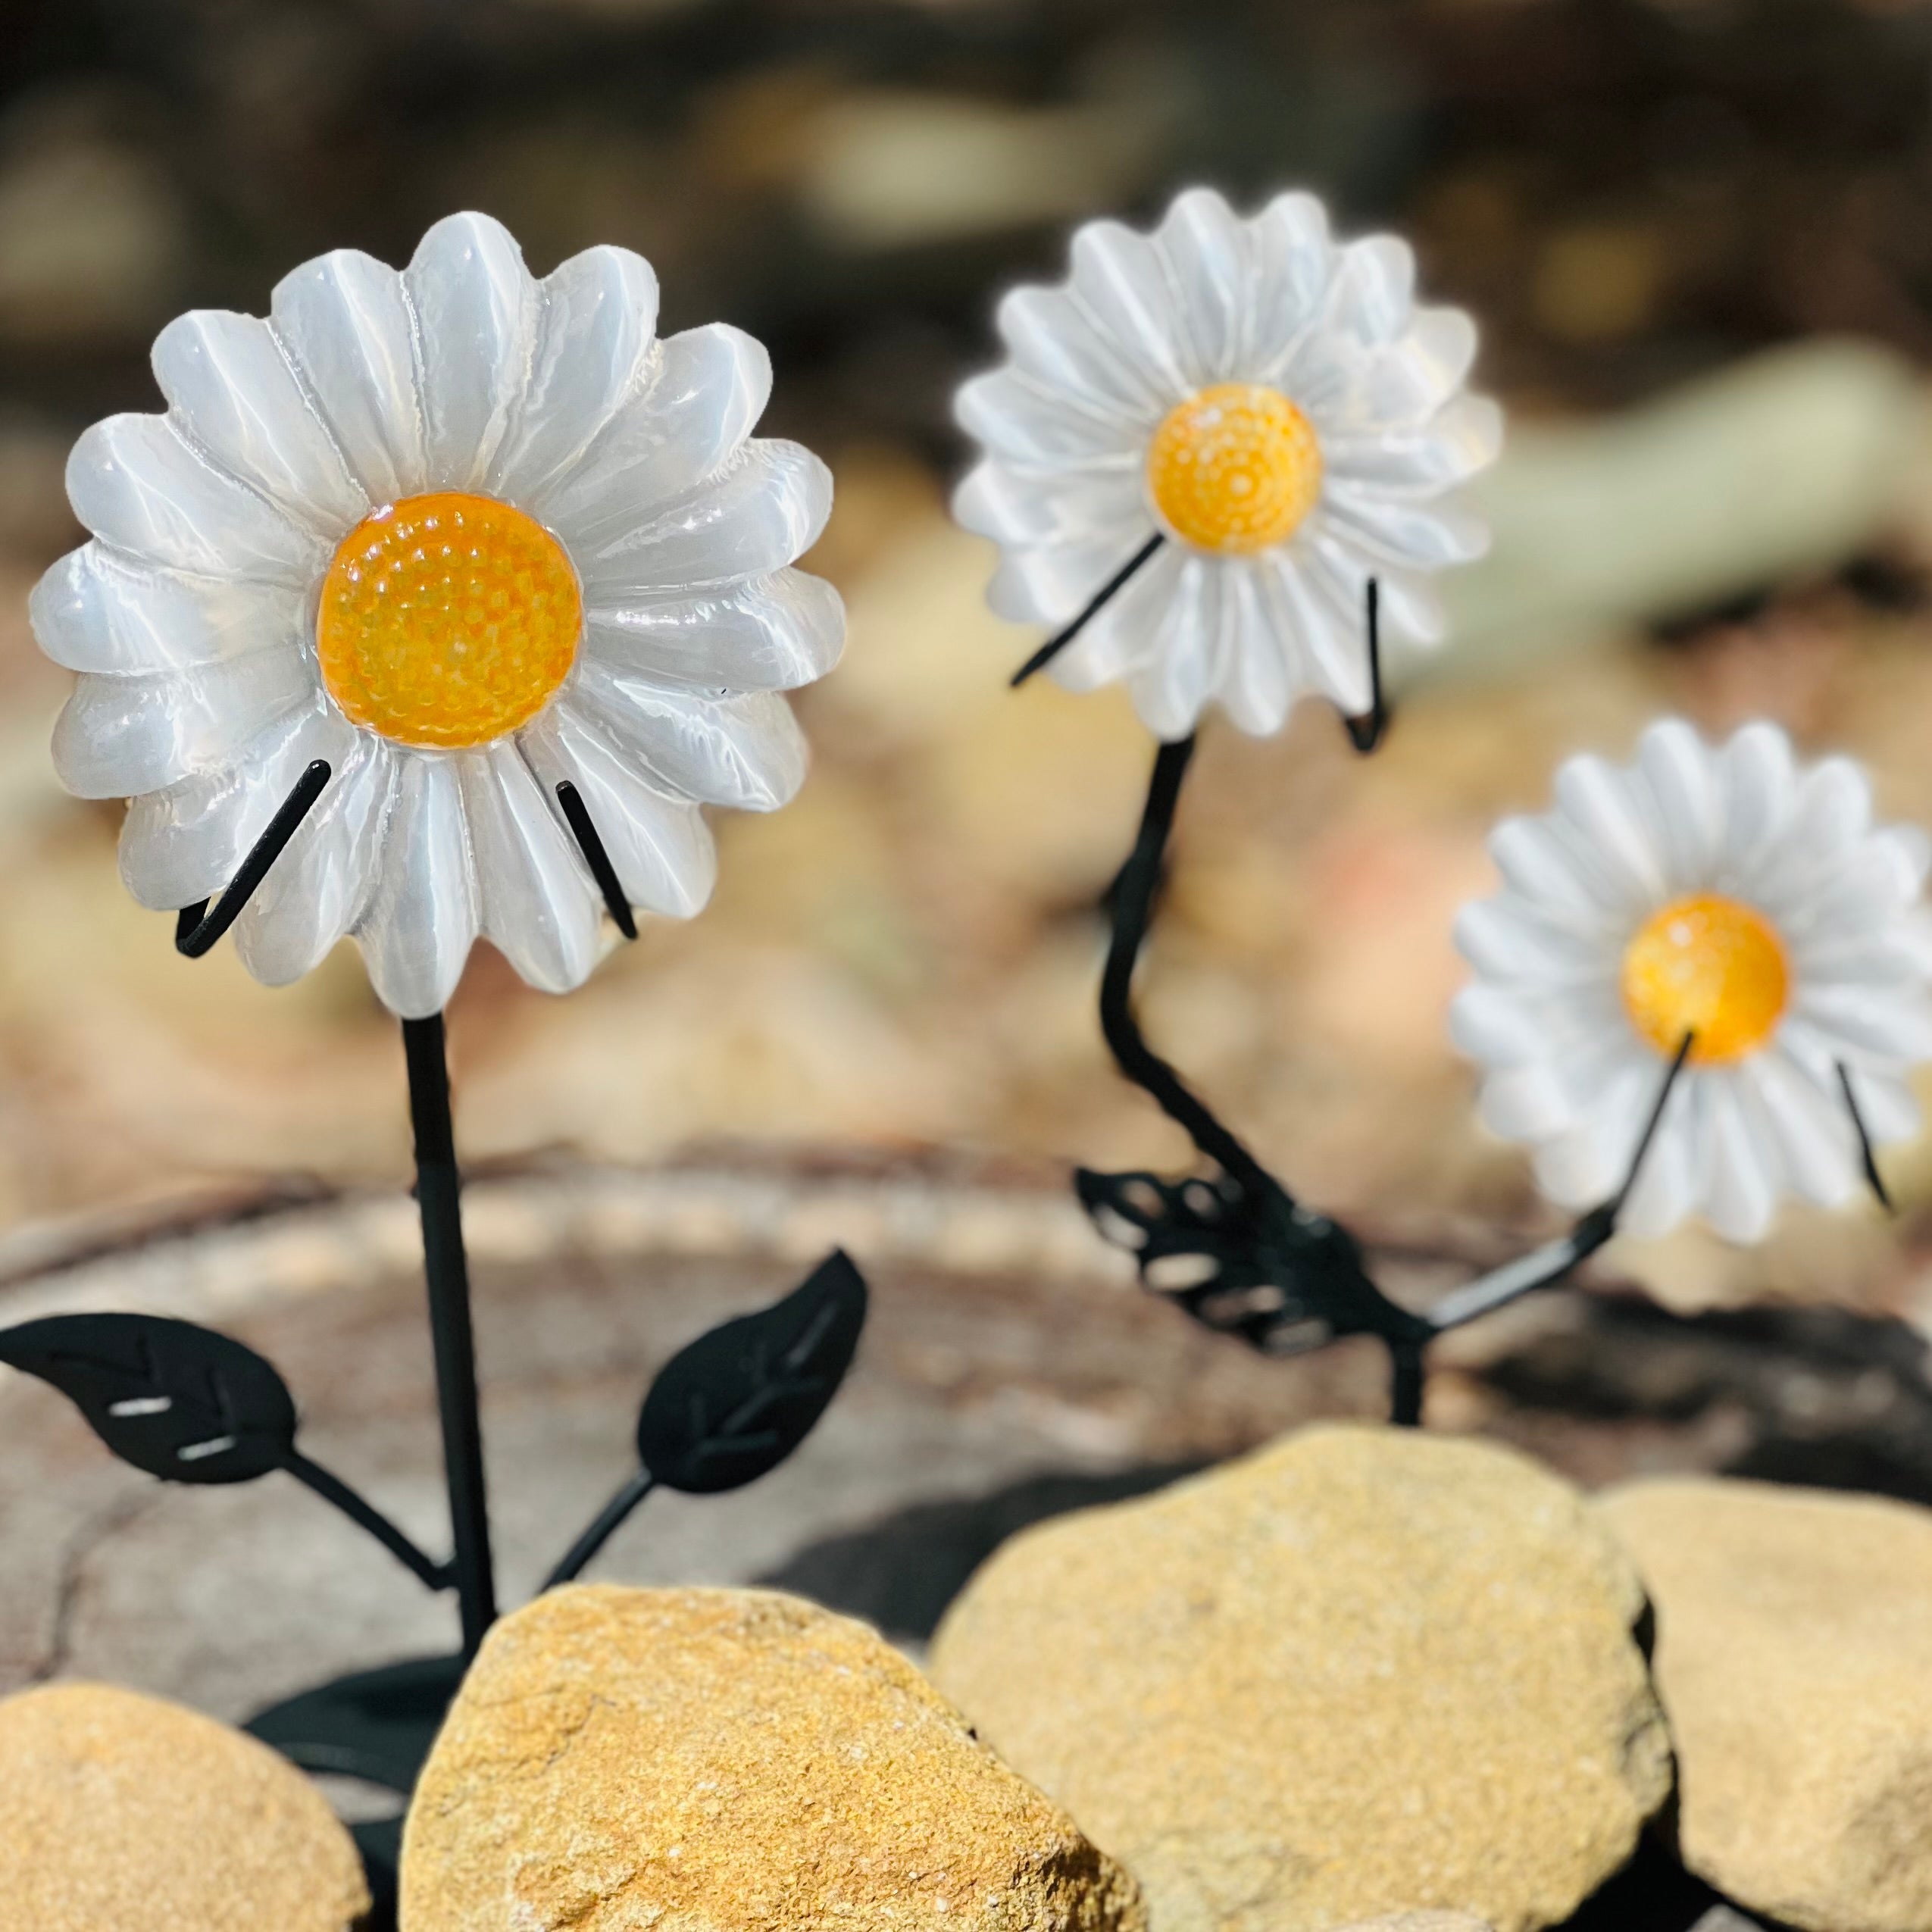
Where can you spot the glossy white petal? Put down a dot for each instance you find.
(744, 750)
(95, 611)
(1049, 583)
(138, 487)
(1027, 507)
(659, 846)
(1372, 295)
(183, 844)
(598, 312)
(316, 890)
(346, 324)
(1461, 439)
(1119, 276)
(1026, 422)
(119, 737)
(421, 919)
(764, 510)
(1257, 682)
(1056, 342)
(702, 399)
(1171, 687)
(1206, 247)
(536, 901)
(476, 309)
(769, 633)
(1738, 820)
(1126, 631)
(1294, 262)
(234, 389)
(1405, 535)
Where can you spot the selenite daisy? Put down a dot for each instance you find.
(468, 537)
(1257, 419)
(1729, 895)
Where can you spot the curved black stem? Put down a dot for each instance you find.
(1874, 1178)
(196, 929)
(445, 1271)
(364, 1513)
(610, 1519)
(1365, 733)
(1543, 1266)
(1133, 896)
(1407, 1372)
(1101, 598)
(577, 815)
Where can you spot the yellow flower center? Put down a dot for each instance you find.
(447, 620)
(1234, 468)
(1707, 965)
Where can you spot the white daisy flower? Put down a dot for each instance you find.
(1723, 893)
(1270, 403)
(468, 537)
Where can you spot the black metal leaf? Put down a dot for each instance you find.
(181, 1402)
(1259, 1266)
(738, 1400)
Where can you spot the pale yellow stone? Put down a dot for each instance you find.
(1794, 1658)
(123, 1813)
(1365, 1671)
(728, 1761)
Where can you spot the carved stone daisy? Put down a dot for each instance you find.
(1725, 893)
(1272, 404)
(466, 536)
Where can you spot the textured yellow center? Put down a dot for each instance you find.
(1710, 966)
(447, 620)
(1234, 468)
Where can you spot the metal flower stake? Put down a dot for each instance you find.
(438, 605)
(1705, 977)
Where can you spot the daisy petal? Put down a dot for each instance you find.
(1121, 278)
(536, 902)
(1683, 782)
(420, 920)
(120, 737)
(1205, 245)
(93, 612)
(1051, 583)
(316, 891)
(703, 399)
(343, 320)
(477, 312)
(1759, 783)
(1294, 260)
(1812, 1134)
(231, 389)
(1017, 418)
(183, 844)
(769, 633)
(137, 485)
(1171, 689)
(1055, 342)
(1405, 532)
(1125, 633)
(1463, 438)
(599, 311)
(1256, 685)
(1540, 866)
(1609, 818)
(659, 846)
(1012, 505)
(1741, 1195)
(1373, 294)
(1327, 618)
(766, 509)
(743, 751)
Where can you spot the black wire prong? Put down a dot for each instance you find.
(196, 930)
(578, 814)
(365, 1515)
(1104, 595)
(1874, 1178)
(609, 1520)
(1365, 732)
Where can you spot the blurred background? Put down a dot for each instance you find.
(1695, 233)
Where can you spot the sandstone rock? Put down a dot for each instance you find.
(1794, 1658)
(720, 1760)
(123, 1813)
(1365, 1671)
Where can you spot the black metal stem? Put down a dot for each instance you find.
(364, 1513)
(1408, 1371)
(1134, 893)
(610, 1519)
(1874, 1178)
(577, 813)
(446, 1272)
(196, 929)
(1103, 596)
(1365, 732)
